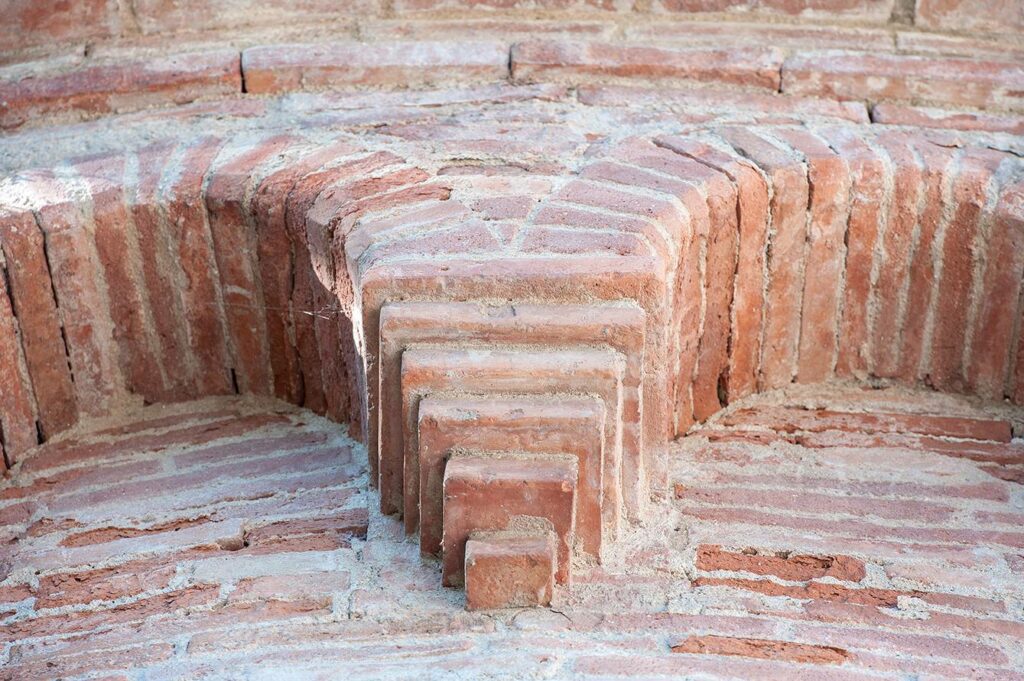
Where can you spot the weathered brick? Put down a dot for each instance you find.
(961, 82)
(828, 180)
(119, 86)
(17, 402)
(868, 174)
(232, 229)
(162, 17)
(787, 239)
(762, 649)
(484, 494)
(789, 566)
(959, 245)
(792, 419)
(1003, 16)
(83, 302)
(529, 372)
(189, 230)
(938, 163)
(509, 572)
(564, 61)
(117, 249)
(31, 295)
(991, 339)
(566, 425)
(928, 117)
(281, 68)
(45, 22)
(620, 327)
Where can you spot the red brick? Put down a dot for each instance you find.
(568, 425)
(829, 181)
(714, 100)
(991, 339)
(117, 248)
(789, 566)
(923, 42)
(783, 296)
(762, 649)
(281, 68)
(538, 372)
(93, 662)
(620, 327)
(864, 10)
(135, 611)
(748, 300)
(32, 300)
(1003, 16)
(290, 587)
(17, 402)
(920, 511)
(868, 177)
(46, 22)
(793, 419)
(564, 61)
(961, 82)
(926, 117)
(958, 252)
(495, 494)
(83, 303)
(896, 249)
(124, 580)
(719, 193)
(938, 163)
(163, 17)
(509, 572)
(189, 231)
(144, 175)
(121, 86)
(759, 33)
(234, 244)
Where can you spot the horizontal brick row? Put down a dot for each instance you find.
(843, 76)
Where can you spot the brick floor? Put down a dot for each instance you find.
(233, 538)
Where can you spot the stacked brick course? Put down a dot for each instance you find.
(517, 249)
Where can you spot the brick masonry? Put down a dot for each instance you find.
(532, 257)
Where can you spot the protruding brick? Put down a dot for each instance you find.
(281, 68)
(538, 425)
(573, 62)
(961, 82)
(484, 494)
(538, 372)
(510, 571)
(621, 327)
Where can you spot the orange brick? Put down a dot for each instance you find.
(621, 327)
(484, 494)
(280, 68)
(565, 61)
(560, 425)
(509, 572)
(539, 372)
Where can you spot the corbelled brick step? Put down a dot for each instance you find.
(509, 571)
(498, 492)
(542, 425)
(590, 371)
(619, 326)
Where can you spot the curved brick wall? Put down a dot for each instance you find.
(443, 224)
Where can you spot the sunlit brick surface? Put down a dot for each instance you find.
(845, 533)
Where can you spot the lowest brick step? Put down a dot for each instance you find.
(507, 493)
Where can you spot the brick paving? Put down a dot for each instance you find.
(831, 532)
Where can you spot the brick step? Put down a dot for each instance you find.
(582, 371)
(509, 571)
(535, 424)
(507, 492)
(620, 326)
